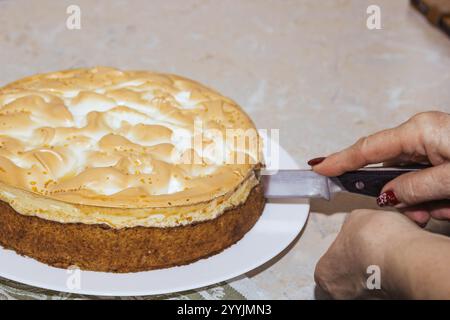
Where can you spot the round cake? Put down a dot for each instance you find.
(124, 171)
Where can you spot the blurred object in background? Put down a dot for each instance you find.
(436, 11)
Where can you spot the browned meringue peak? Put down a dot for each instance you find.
(115, 138)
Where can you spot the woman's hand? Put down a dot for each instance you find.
(423, 138)
(412, 263)
(364, 240)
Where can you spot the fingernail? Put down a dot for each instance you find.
(315, 161)
(387, 198)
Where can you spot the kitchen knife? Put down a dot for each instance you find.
(308, 184)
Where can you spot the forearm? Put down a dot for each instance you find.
(419, 267)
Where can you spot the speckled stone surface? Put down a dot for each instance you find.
(310, 68)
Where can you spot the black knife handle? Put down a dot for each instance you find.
(369, 181)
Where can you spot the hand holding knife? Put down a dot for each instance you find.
(309, 184)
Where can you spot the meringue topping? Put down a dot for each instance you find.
(120, 139)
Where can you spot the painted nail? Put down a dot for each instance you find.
(315, 161)
(387, 198)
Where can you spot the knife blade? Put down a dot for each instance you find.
(309, 184)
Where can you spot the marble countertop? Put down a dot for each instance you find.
(311, 68)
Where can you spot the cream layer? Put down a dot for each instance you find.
(31, 204)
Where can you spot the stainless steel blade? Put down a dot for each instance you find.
(299, 184)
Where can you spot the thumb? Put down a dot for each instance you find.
(417, 187)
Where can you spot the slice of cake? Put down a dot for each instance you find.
(124, 171)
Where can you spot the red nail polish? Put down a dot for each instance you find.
(387, 198)
(315, 161)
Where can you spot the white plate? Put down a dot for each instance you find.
(278, 226)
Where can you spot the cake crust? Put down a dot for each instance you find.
(102, 248)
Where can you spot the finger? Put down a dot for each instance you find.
(422, 213)
(441, 214)
(379, 147)
(419, 215)
(406, 160)
(419, 187)
(440, 210)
